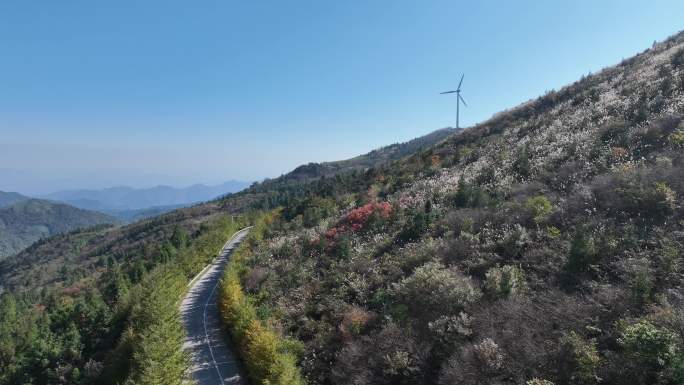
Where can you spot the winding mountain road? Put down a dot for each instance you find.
(214, 359)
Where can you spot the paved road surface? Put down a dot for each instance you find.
(214, 359)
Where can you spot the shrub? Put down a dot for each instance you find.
(553, 231)
(415, 227)
(449, 328)
(639, 276)
(235, 309)
(582, 253)
(579, 359)
(540, 206)
(474, 364)
(633, 195)
(179, 238)
(265, 361)
(650, 347)
(396, 355)
(434, 290)
(638, 112)
(665, 196)
(312, 210)
(678, 59)
(667, 82)
(538, 381)
(668, 262)
(489, 355)
(466, 220)
(358, 217)
(354, 321)
(514, 242)
(312, 216)
(614, 133)
(676, 138)
(678, 370)
(341, 249)
(468, 195)
(521, 165)
(618, 154)
(486, 175)
(504, 281)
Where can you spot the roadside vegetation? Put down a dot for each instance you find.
(269, 358)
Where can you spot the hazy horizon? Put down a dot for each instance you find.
(36, 184)
(173, 93)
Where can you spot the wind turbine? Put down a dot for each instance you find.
(459, 98)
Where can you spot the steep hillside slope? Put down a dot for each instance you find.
(542, 246)
(28, 220)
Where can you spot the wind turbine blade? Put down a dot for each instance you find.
(463, 100)
(447, 92)
(459, 83)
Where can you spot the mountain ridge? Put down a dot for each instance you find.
(374, 158)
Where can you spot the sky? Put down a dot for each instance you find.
(96, 94)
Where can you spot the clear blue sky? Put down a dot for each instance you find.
(97, 93)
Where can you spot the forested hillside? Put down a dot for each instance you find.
(100, 306)
(543, 246)
(24, 221)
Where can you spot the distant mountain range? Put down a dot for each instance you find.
(128, 203)
(24, 220)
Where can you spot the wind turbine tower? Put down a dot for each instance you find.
(459, 99)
